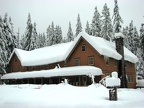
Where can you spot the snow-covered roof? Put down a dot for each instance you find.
(60, 52)
(104, 47)
(41, 56)
(67, 71)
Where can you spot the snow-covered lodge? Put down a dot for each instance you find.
(76, 61)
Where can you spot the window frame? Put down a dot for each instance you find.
(131, 65)
(115, 63)
(91, 60)
(130, 78)
(77, 61)
(15, 59)
(106, 60)
(83, 48)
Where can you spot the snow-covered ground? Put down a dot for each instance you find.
(67, 96)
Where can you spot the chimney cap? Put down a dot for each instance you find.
(119, 35)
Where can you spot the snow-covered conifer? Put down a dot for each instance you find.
(96, 24)
(142, 47)
(136, 41)
(131, 36)
(142, 37)
(58, 35)
(3, 54)
(125, 33)
(117, 20)
(78, 26)
(107, 31)
(87, 29)
(28, 34)
(52, 37)
(70, 36)
(34, 36)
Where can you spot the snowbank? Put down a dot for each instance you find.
(67, 71)
(67, 96)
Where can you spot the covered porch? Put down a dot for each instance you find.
(77, 76)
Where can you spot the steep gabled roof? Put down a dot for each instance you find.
(103, 47)
(60, 52)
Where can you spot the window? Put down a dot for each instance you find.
(115, 63)
(77, 62)
(33, 68)
(106, 60)
(91, 60)
(130, 78)
(83, 48)
(47, 66)
(42, 67)
(15, 59)
(27, 68)
(131, 65)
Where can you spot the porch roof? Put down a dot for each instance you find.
(67, 71)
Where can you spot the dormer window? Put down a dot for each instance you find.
(83, 48)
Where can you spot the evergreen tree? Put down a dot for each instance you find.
(142, 37)
(33, 42)
(7, 41)
(125, 33)
(48, 32)
(18, 44)
(106, 32)
(130, 36)
(28, 34)
(58, 35)
(142, 50)
(42, 40)
(3, 54)
(136, 41)
(78, 26)
(87, 29)
(52, 37)
(96, 24)
(70, 34)
(117, 19)
(9, 35)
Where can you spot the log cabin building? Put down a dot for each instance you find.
(85, 50)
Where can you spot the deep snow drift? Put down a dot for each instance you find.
(67, 96)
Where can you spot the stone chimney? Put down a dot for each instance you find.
(121, 63)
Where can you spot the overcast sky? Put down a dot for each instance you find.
(43, 12)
